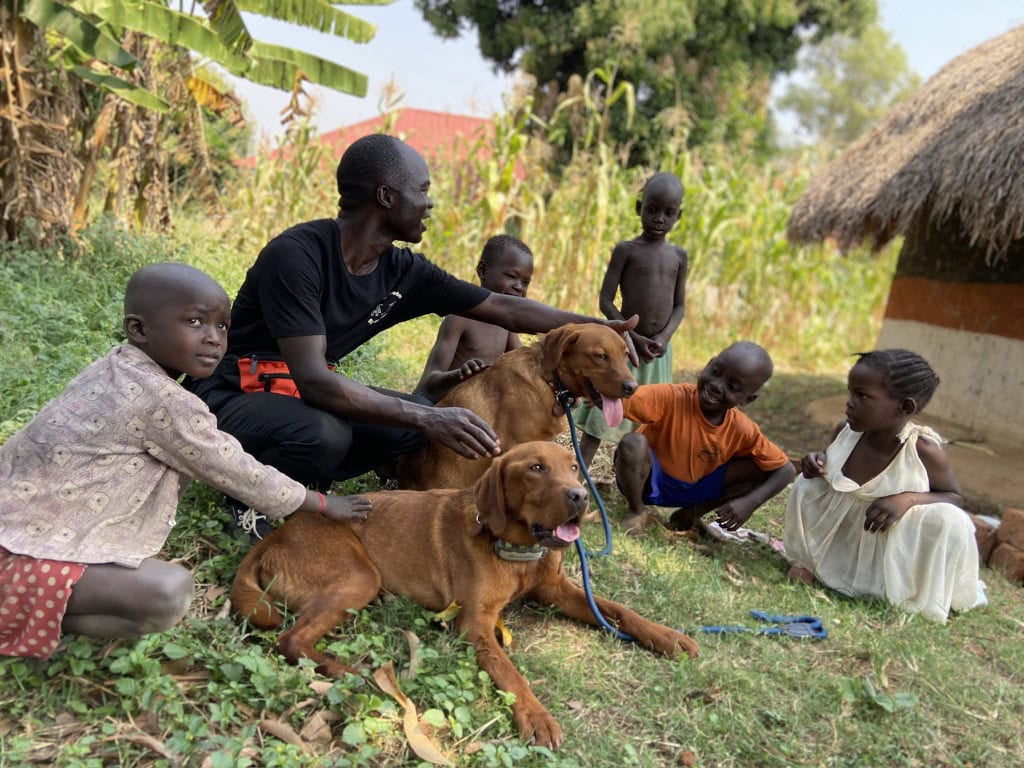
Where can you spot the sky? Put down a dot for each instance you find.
(451, 76)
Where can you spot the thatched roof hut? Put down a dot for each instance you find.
(945, 169)
(954, 148)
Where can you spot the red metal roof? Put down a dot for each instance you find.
(439, 135)
(435, 135)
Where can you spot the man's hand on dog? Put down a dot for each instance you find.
(461, 430)
(623, 327)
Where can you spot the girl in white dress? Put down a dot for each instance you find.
(878, 513)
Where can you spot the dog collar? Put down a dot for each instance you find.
(514, 553)
(563, 396)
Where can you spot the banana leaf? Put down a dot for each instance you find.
(227, 21)
(313, 14)
(72, 25)
(127, 91)
(276, 66)
(169, 26)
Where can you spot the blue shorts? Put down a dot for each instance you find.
(663, 490)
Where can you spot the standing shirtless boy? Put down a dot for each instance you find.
(650, 272)
(465, 347)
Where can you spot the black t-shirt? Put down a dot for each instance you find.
(300, 286)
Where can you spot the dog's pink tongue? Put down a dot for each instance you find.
(568, 532)
(612, 409)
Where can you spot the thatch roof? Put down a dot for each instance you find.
(954, 150)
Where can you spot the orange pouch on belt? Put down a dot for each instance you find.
(267, 376)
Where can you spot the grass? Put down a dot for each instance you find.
(940, 695)
(885, 689)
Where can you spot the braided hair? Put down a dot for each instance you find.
(496, 245)
(367, 163)
(907, 374)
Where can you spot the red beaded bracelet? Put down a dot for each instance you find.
(323, 503)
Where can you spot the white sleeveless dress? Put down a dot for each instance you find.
(927, 562)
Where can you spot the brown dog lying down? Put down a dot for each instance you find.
(516, 397)
(469, 546)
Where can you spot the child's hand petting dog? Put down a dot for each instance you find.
(347, 507)
(472, 367)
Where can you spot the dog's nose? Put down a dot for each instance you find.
(577, 497)
(629, 388)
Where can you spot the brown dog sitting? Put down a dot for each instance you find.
(480, 548)
(516, 396)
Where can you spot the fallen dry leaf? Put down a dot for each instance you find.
(320, 687)
(285, 733)
(225, 610)
(505, 632)
(448, 613)
(419, 741)
(145, 740)
(316, 730)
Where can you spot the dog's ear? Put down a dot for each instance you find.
(489, 491)
(553, 346)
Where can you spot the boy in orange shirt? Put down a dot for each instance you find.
(694, 450)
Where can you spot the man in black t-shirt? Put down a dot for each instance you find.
(323, 288)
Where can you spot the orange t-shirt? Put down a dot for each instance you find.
(687, 445)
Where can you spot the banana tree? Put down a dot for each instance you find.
(81, 80)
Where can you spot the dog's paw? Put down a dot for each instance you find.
(540, 728)
(671, 642)
(687, 644)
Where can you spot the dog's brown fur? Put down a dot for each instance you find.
(516, 398)
(437, 547)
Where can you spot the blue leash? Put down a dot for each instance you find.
(566, 400)
(793, 626)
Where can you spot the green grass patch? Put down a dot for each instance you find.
(885, 689)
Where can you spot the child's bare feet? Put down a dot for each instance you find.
(803, 575)
(634, 524)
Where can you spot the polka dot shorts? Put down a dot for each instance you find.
(34, 595)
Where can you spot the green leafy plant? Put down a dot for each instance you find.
(855, 690)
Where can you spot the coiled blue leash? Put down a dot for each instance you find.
(566, 400)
